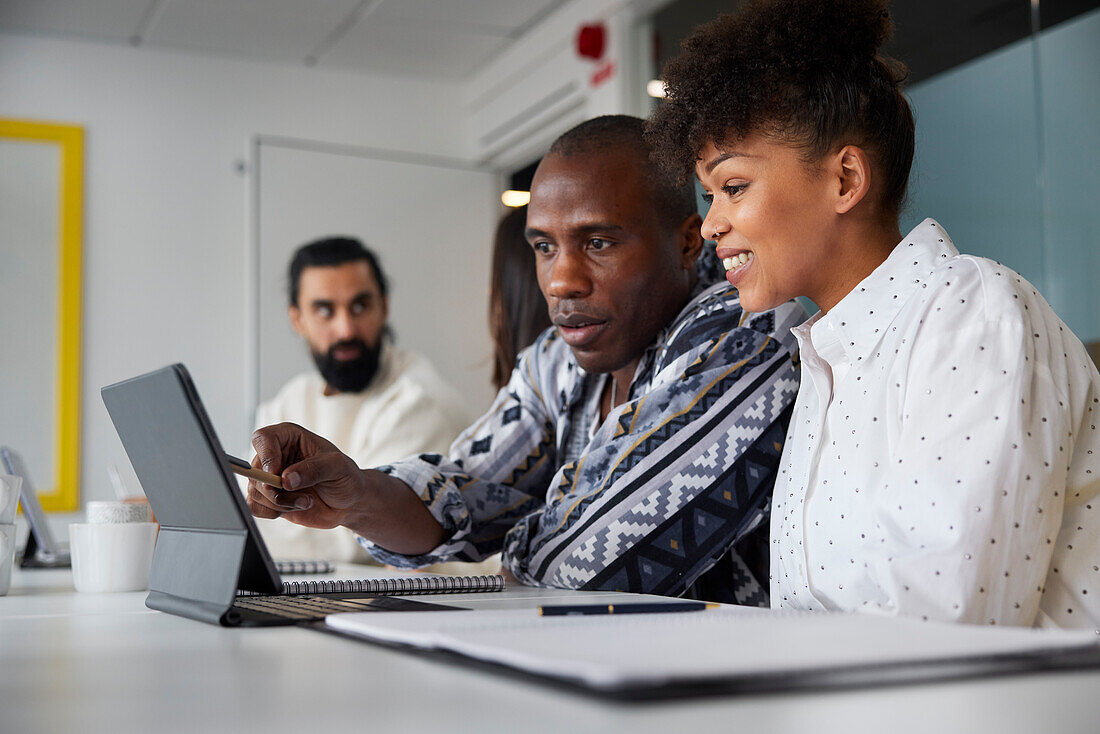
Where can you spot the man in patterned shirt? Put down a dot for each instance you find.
(636, 444)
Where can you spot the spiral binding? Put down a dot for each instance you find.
(408, 585)
(293, 566)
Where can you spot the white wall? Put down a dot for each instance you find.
(166, 211)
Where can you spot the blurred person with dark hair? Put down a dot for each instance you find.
(373, 399)
(517, 308)
(635, 444)
(943, 460)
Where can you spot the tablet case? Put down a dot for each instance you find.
(208, 546)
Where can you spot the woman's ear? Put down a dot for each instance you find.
(852, 168)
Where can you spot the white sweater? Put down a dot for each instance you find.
(407, 409)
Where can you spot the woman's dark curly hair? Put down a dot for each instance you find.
(802, 72)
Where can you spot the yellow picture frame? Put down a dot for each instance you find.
(65, 496)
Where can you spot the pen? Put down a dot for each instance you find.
(629, 608)
(244, 469)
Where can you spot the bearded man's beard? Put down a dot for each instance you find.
(349, 375)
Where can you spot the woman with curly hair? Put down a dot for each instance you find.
(943, 460)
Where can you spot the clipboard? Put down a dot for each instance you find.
(730, 651)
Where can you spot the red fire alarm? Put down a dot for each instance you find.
(591, 41)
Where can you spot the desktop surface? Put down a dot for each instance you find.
(106, 663)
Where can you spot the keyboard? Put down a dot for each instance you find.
(301, 608)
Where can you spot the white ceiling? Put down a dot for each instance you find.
(444, 39)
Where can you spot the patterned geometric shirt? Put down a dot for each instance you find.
(646, 500)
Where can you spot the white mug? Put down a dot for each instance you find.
(7, 555)
(112, 556)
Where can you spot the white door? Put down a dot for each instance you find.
(431, 226)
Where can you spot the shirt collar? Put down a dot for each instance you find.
(864, 316)
(802, 333)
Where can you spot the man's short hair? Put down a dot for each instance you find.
(674, 201)
(331, 252)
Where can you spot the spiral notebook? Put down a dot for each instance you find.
(309, 601)
(205, 523)
(396, 585)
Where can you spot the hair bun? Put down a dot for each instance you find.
(829, 33)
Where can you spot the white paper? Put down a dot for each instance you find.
(609, 651)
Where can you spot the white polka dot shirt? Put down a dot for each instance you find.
(943, 460)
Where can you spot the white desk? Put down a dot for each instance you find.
(93, 663)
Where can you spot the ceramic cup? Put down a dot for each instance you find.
(112, 556)
(9, 497)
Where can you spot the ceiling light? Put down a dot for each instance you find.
(655, 88)
(515, 198)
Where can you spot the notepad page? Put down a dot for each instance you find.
(612, 650)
